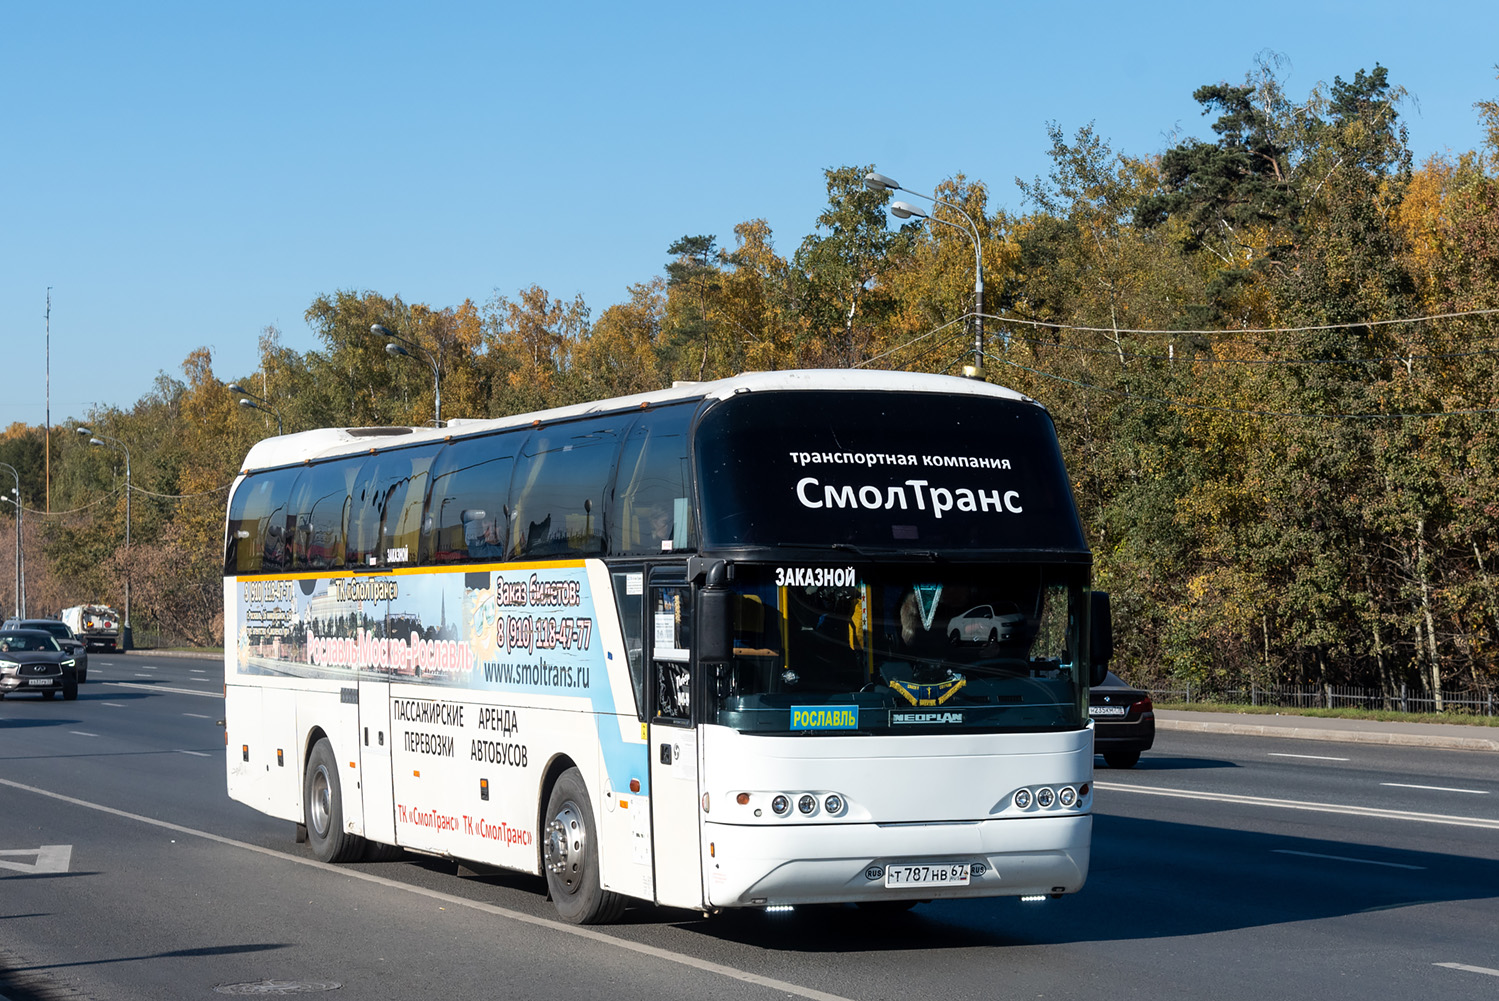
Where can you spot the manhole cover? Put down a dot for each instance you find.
(262, 987)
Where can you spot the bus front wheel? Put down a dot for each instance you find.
(570, 856)
(323, 811)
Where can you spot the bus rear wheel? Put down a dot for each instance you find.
(570, 856)
(323, 811)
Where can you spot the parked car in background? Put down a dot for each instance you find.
(64, 637)
(986, 624)
(95, 625)
(1123, 721)
(31, 661)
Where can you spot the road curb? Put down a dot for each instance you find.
(1341, 736)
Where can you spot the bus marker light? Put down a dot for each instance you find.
(1082, 790)
(416, 774)
(634, 785)
(483, 788)
(742, 799)
(712, 850)
(246, 750)
(705, 802)
(779, 909)
(280, 758)
(1032, 898)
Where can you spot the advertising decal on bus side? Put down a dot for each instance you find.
(520, 629)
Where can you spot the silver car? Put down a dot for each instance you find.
(64, 637)
(32, 661)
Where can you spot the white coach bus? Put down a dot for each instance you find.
(785, 638)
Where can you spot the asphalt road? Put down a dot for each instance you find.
(1224, 866)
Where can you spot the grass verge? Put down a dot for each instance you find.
(1383, 715)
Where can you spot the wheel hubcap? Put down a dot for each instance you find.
(320, 806)
(565, 846)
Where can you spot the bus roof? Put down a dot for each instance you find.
(327, 443)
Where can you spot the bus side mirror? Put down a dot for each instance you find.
(714, 637)
(1100, 638)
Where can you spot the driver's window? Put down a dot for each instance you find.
(671, 652)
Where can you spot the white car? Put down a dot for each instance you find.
(986, 624)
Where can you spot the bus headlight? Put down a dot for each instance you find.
(1022, 799)
(833, 804)
(1045, 797)
(807, 804)
(780, 806)
(1067, 796)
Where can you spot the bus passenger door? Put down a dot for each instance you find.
(374, 761)
(675, 839)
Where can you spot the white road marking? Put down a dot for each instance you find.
(1468, 969)
(163, 688)
(198, 754)
(145, 667)
(49, 858)
(197, 716)
(144, 675)
(1312, 757)
(1292, 804)
(197, 670)
(448, 899)
(1405, 785)
(83, 734)
(117, 705)
(1344, 858)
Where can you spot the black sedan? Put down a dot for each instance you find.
(1123, 721)
(32, 661)
(64, 637)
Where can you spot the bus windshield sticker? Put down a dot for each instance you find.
(815, 577)
(947, 718)
(824, 717)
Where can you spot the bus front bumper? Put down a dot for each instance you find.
(761, 866)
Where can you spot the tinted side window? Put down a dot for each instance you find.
(557, 496)
(650, 513)
(321, 507)
(258, 530)
(466, 511)
(386, 512)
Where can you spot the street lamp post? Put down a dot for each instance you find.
(902, 210)
(20, 609)
(250, 401)
(119, 446)
(393, 348)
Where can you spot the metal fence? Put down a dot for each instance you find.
(1476, 703)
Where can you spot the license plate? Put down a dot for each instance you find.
(1107, 710)
(932, 874)
(41, 681)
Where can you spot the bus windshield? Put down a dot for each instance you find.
(827, 650)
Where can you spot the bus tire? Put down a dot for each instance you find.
(570, 856)
(375, 851)
(323, 811)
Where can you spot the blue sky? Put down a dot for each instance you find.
(182, 175)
